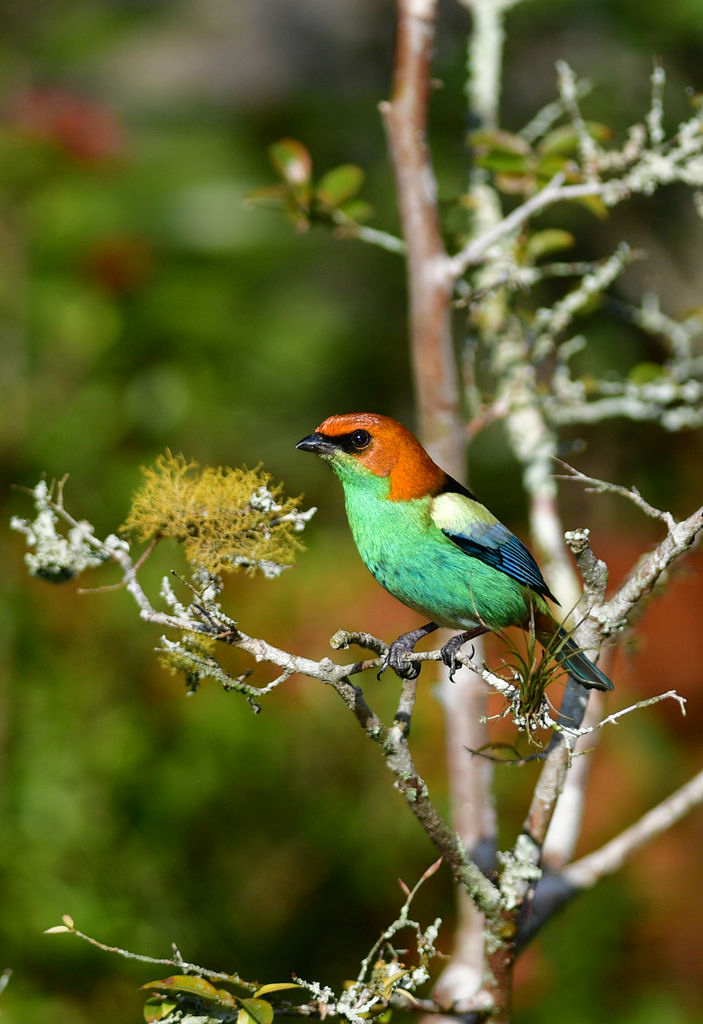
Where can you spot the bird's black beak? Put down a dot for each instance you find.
(317, 443)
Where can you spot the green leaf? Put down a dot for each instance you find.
(595, 205)
(500, 142)
(292, 161)
(339, 184)
(158, 1007)
(500, 160)
(275, 986)
(268, 195)
(357, 209)
(189, 985)
(599, 131)
(516, 184)
(543, 243)
(645, 373)
(255, 1011)
(565, 139)
(502, 152)
(554, 163)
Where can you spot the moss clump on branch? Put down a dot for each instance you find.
(225, 518)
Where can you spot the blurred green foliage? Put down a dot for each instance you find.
(144, 305)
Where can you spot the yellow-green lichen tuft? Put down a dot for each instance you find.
(194, 656)
(225, 518)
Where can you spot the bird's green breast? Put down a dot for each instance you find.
(420, 566)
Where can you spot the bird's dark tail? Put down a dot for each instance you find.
(578, 665)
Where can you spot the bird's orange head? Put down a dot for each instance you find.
(383, 447)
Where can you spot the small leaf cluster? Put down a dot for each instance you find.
(225, 518)
(183, 992)
(521, 168)
(333, 198)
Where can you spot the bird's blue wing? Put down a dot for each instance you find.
(469, 525)
(502, 550)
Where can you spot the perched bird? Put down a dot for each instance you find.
(432, 544)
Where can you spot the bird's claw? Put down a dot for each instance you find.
(449, 654)
(397, 659)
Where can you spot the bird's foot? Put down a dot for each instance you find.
(397, 654)
(397, 659)
(449, 655)
(451, 649)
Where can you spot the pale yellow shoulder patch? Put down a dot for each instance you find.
(455, 513)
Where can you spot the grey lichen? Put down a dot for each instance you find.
(518, 867)
(54, 556)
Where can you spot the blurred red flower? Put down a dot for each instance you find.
(83, 128)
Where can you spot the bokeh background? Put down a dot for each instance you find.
(144, 305)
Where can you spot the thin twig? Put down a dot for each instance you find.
(617, 715)
(588, 870)
(402, 921)
(597, 486)
(621, 606)
(553, 192)
(188, 968)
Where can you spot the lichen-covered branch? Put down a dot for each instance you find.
(616, 612)
(646, 162)
(605, 618)
(204, 619)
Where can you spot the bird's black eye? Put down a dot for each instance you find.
(360, 439)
